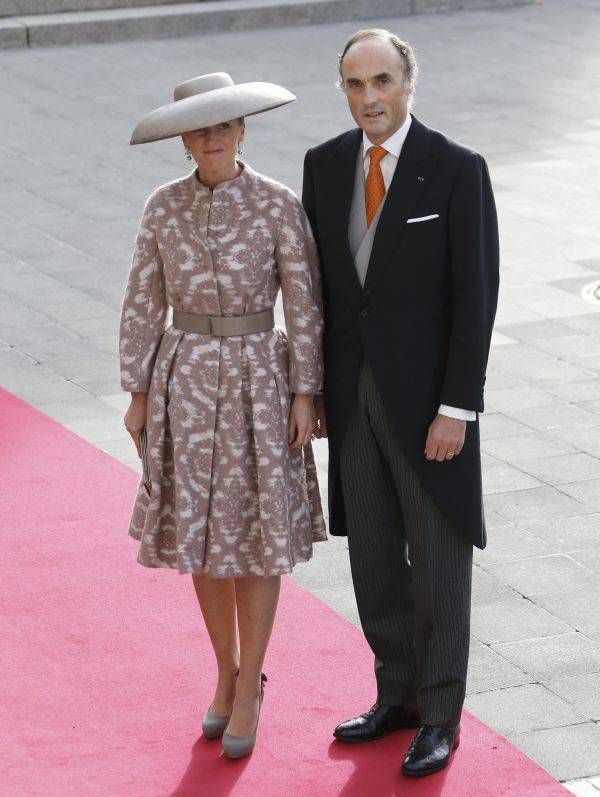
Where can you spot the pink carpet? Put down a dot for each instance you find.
(106, 668)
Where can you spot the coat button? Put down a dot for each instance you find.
(364, 313)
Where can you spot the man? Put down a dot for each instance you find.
(406, 226)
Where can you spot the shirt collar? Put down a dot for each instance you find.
(394, 143)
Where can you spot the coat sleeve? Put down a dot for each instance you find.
(308, 202)
(308, 195)
(475, 274)
(144, 307)
(300, 279)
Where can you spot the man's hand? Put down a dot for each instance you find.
(320, 426)
(445, 438)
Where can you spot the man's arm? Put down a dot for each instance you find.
(474, 260)
(475, 270)
(308, 195)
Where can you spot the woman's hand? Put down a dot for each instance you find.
(302, 420)
(135, 418)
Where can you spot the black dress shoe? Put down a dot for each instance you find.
(430, 750)
(376, 723)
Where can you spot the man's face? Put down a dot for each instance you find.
(373, 83)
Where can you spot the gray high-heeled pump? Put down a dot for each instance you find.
(213, 725)
(239, 746)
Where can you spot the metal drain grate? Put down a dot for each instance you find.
(591, 292)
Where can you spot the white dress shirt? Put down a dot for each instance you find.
(393, 145)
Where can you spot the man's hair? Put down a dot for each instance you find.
(410, 68)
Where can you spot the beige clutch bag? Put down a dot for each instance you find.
(145, 465)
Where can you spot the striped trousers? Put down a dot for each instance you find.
(410, 568)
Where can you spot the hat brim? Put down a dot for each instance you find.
(209, 108)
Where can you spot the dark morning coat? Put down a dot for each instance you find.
(425, 315)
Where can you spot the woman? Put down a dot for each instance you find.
(224, 397)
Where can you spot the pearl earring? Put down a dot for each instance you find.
(188, 154)
(240, 150)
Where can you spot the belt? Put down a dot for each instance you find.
(224, 325)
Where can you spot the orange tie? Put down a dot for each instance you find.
(374, 185)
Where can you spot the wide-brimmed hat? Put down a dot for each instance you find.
(208, 100)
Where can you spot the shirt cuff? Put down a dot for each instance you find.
(456, 412)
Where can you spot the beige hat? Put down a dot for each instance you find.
(208, 100)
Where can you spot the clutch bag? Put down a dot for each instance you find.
(145, 464)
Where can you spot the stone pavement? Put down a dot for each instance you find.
(521, 86)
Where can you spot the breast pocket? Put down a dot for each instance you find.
(423, 219)
(424, 235)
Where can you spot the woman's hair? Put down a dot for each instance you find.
(410, 68)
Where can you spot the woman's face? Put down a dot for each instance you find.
(215, 148)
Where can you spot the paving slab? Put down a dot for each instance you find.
(563, 469)
(542, 574)
(521, 396)
(584, 438)
(582, 787)
(551, 657)
(526, 446)
(513, 620)
(554, 416)
(536, 331)
(509, 543)
(522, 506)
(518, 709)
(567, 751)
(527, 362)
(70, 411)
(503, 478)
(489, 670)
(578, 608)
(582, 691)
(496, 424)
(486, 588)
(586, 491)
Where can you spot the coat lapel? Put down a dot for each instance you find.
(344, 176)
(411, 177)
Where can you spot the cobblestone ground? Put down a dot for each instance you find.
(520, 85)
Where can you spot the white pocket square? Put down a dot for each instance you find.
(423, 218)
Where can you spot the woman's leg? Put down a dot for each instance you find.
(216, 597)
(256, 599)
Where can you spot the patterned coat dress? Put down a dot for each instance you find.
(229, 497)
